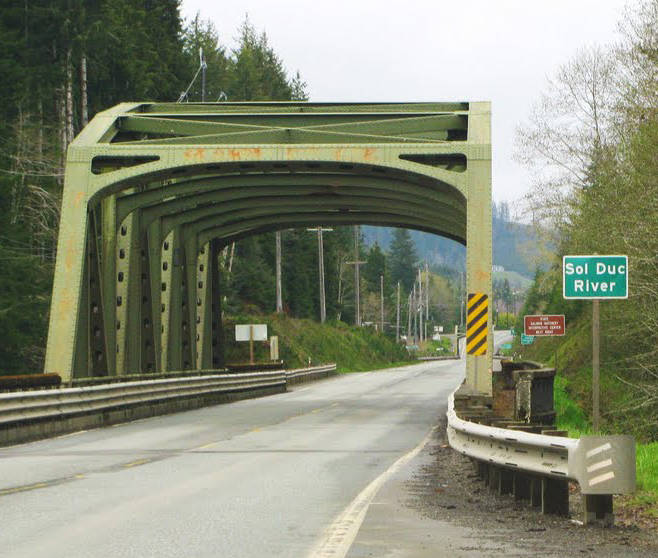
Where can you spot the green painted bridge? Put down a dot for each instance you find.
(153, 192)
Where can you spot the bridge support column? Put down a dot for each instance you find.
(478, 235)
(65, 306)
(205, 261)
(128, 300)
(217, 332)
(98, 350)
(157, 275)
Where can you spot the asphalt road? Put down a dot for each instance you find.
(274, 476)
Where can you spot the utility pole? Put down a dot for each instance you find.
(408, 318)
(203, 75)
(397, 317)
(420, 306)
(279, 300)
(414, 300)
(427, 297)
(357, 263)
(323, 308)
(381, 298)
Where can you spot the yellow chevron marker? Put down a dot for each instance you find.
(476, 324)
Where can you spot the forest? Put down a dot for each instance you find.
(62, 63)
(591, 141)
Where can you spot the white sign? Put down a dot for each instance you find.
(259, 332)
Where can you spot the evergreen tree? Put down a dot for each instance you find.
(402, 256)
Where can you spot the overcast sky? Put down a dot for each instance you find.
(419, 50)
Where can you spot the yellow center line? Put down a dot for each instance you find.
(25, 488)
(136, 463)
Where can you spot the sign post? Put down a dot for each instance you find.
(251, 333)
(595, 277)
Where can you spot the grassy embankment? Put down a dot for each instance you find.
(302, 341)
(432, 348)
(573, 400)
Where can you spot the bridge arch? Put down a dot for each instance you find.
(153, 191)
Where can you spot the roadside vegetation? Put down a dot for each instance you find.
(591, 143)
(304, 341)
(571, 355)
(435, 348)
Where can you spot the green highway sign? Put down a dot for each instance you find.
(527, 339)
(595, 277)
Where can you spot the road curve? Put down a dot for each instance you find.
(262, 477)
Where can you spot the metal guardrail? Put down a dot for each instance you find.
(39, 405)
(442, 357)
(601, 465)
(306, 374)
(28, 415)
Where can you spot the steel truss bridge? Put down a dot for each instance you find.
(154, 191)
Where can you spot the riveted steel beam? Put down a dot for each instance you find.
(156, 189)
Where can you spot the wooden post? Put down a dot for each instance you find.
(595, 365)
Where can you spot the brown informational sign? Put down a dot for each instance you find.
(543, 325)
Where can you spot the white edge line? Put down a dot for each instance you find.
(339, 536)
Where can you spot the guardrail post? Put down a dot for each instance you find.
(506, 482)
(597, 508)
(535, 492)
(494, 477)
(554, 496)
(483, 473)
(521, 486)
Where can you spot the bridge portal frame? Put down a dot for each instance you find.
(153, 191)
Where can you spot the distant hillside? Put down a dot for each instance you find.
(513, 244)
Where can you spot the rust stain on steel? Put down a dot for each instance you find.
(65, 306)
(71, 254)
(247, 153)
(198, 154)
(78, 199)
(370, 154)
(482, 275)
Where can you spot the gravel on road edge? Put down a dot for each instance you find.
(447, 488)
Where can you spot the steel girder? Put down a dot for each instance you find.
(154, 191)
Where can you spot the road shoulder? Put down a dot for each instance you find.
(435, 506)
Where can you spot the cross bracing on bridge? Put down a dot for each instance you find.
(154, 191)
